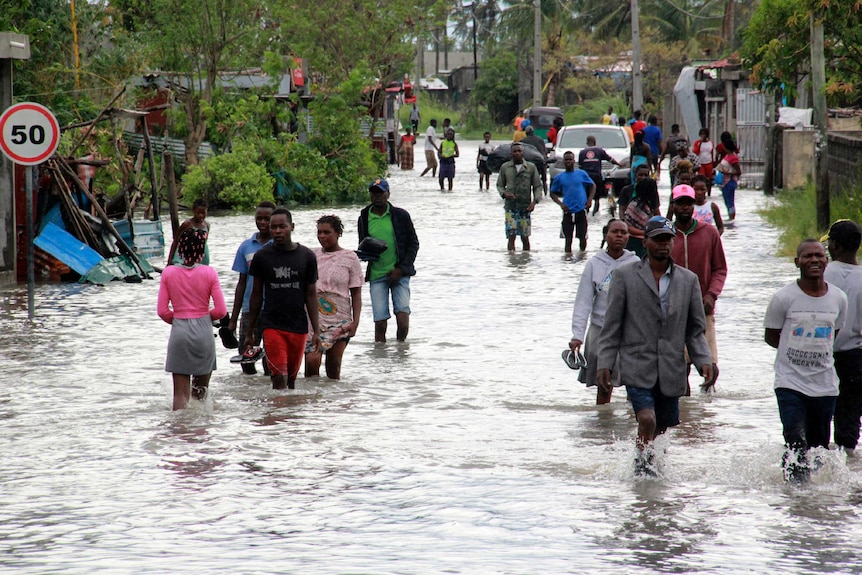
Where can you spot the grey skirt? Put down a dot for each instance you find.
(191, 347)
(588, 374)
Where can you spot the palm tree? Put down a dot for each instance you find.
(559, 26)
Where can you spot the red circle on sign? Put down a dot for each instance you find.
(28, 108)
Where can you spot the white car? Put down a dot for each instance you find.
(614, 140)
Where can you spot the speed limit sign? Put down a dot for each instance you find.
(29, 133)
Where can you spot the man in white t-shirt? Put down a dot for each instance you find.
(431, 150)
(845, 272)
(802, 321)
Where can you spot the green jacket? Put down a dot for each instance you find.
(519, 184)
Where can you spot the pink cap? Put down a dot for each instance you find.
(682, 191)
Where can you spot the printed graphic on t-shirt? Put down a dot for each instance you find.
(810, 343)
(285, 273)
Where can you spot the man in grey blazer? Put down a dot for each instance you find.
(655, 310)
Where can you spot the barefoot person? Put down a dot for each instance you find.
(485, 149)
(592, 301)
(184, 302)
(390, 274)
(339, 294)
(655, 311)
(448, 152)
(520, 186)
(284, 301)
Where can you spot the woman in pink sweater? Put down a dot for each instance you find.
(184, 302)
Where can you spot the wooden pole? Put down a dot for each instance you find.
(818, 79)
(168, 163)
(106, 221)
(156, 204)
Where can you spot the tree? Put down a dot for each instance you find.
(337, 35)
(192, 42)
(50, 76)
(776, 47)
(497, 87)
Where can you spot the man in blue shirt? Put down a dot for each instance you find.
(652, 138)
(573, 191)
(245, 283)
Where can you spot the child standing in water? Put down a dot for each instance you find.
(198, 221)
(485, 149)
(448, 152)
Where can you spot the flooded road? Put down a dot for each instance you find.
(469, 449)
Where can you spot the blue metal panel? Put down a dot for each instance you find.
(66, 248)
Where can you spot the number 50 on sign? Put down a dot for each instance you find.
(29, 133)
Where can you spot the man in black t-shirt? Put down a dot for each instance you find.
(590, 160)
(285, 287)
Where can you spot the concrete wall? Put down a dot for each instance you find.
(797, 160)
(7, 197)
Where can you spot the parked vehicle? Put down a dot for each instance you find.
(613, 139)
(542, 119)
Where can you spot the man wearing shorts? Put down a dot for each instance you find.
(430, 150)
(520, 185)
(573, 190)
(390, 273)
(284, 300)
(655, 310)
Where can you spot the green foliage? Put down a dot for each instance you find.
(587, 89)
(777, 47)
(340, 35)
(248, 117)
(236, 179)
(497, 87)
(591, 111)
(794, 212)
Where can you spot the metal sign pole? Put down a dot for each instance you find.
(31, 272)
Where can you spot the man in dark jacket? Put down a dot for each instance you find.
(390, 273)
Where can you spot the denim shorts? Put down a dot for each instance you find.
(666, 408)
(380, 290)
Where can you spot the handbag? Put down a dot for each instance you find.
(370, 249)
(637, 215)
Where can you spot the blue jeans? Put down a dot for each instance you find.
(380, 291)
(806, 420)
(728, 192)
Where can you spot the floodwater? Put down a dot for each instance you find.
(469, 449)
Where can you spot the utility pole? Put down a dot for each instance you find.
(537, 54)
(818, 80)
(475, 53)
(637, 80)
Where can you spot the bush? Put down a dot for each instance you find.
(795, 213)
(236, 180)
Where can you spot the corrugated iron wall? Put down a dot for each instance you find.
(751, 132)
